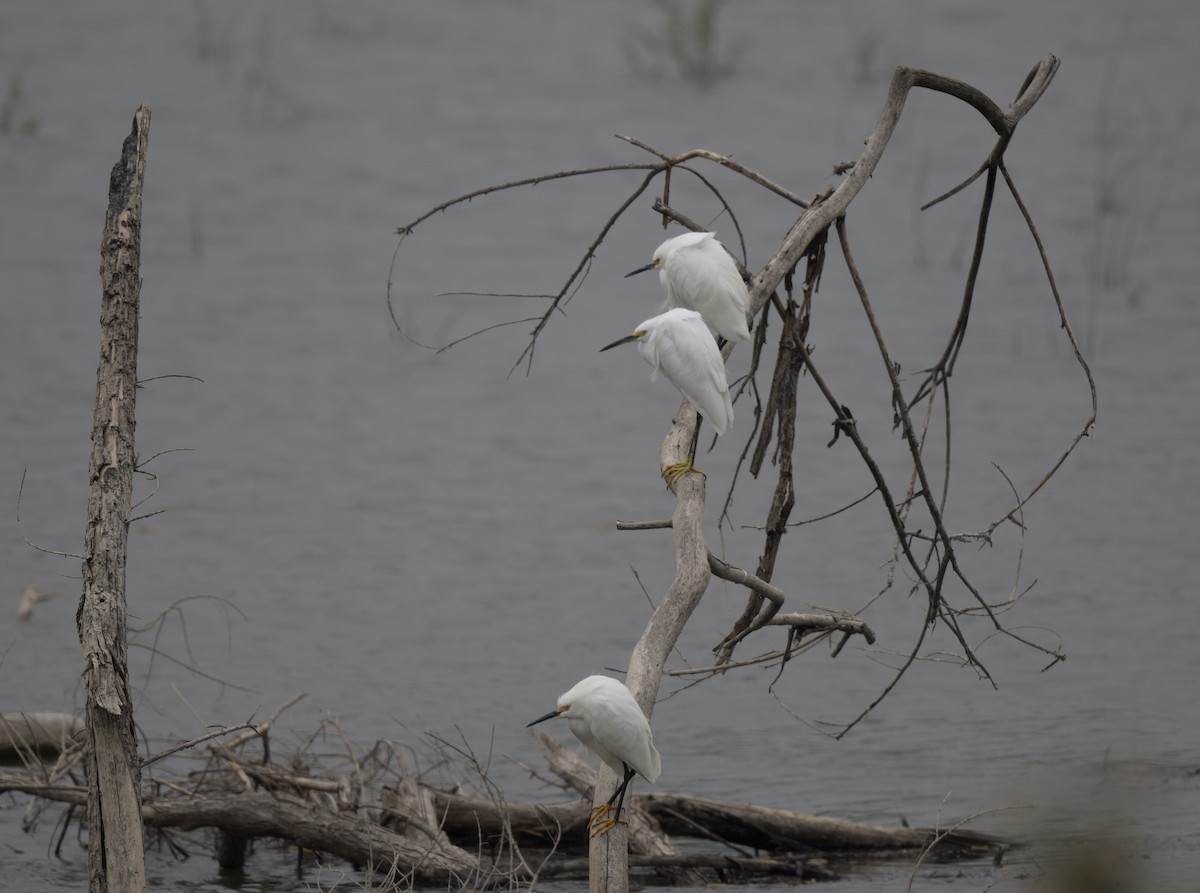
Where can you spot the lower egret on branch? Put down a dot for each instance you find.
(679, 344)
(604, 716)
(699, 275)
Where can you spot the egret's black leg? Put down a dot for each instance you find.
(619, 793)
(601, 822)
(679, 469)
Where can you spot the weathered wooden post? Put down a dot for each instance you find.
(608, 855)
(116, 860)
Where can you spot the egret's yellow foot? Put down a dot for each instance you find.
(672, 473)
(601, 822)
(600, 814)
(606, 825)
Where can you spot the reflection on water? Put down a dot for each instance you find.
(419, 541)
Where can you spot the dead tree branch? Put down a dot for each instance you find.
(928, 559)
(115, 856)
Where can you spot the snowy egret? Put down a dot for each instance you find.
(604, 716)
(679, 344)
(699, 274)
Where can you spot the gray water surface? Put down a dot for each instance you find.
(423, 542)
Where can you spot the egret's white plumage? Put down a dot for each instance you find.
(698, 274)
(679, 344)
(605, 717)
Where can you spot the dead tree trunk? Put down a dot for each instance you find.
(116, 861)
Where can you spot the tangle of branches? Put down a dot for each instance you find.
(782, 294)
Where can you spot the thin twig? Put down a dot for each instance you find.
(192, 743)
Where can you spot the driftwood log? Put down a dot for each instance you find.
(795, 844)
(418, 835)
(653, 816)
(251, 815)
(45, 734)
(736, 824)
(272, 814)
(756, 841)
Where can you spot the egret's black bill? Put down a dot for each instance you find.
(649, 266)
(620, 341)
(550, 715)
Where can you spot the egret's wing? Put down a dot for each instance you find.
(582, 729)
(686, 275)
(650, 355)
(724, 271)
(729, 314)
(704, 278)
(618, 725)
(689, 357)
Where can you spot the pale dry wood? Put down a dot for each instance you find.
(608, 854)
(116, 861)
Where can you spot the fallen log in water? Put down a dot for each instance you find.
(552, 839)
(726, 868)
(557, 836)
(45, 734)
(255, 814)
(654, 816)
(758, 841)
(427, 837)
(776, 830)
(744, 825)
(247, 815)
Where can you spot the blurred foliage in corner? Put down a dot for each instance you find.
(1123, 827)
(685, 44)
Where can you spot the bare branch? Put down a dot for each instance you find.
(724, 161)
(28, 542)
(217, 733)
(644, 525)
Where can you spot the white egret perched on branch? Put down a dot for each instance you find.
(699, 275)
(604, 716)
(679, 344)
